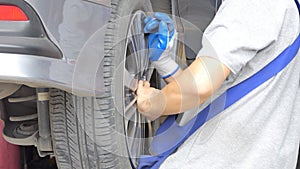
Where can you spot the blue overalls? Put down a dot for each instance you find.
(170, 135)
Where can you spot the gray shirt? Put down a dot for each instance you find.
(262, 130)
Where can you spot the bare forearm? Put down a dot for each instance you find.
(194, 86)
(179, 95)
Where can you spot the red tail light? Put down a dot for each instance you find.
(12, 13)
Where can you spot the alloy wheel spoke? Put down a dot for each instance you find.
(133, 55)
(130, 81)
(140, 44)
(136, 67)
(130, 109)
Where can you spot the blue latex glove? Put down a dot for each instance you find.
(161, 43)
(161, 29)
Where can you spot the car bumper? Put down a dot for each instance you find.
(81, 79)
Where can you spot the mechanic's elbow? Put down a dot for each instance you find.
(205, 90)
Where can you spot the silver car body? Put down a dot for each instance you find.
(77, 28)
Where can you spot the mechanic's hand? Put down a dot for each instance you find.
(161, 43)
(144, 95)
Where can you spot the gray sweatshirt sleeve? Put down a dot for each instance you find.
(240, 29)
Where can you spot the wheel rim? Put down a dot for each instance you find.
(137, 128)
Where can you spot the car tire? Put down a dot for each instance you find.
(88, 132)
